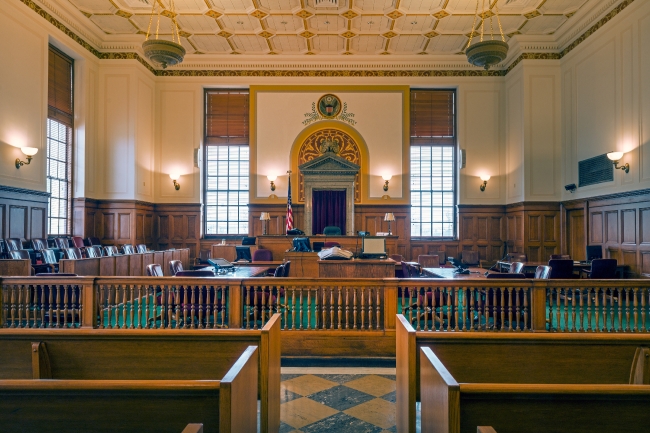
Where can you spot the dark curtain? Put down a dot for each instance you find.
(328, 209)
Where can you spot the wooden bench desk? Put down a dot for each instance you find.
(228, 405)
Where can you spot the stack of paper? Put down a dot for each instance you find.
(335, 253)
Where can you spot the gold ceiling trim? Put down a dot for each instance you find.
(323, 73)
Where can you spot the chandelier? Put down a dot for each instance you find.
(162, 51)
(490, 52)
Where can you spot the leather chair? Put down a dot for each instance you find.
(514, 257)
(39, 244)
(603, 269)
(542, 272)
(397, 257)
(154, 270)
(279, 271)
(94, 251)
(262, 255)
(331, 244)
(332, 231)
(516, 268)
(559, 256)
(24, 255)
(49, 260)
(78, 242)
(470, 258)
(128, 249)
(141, 248)
(287, 268)
(441, 256)
(73, 253)
(3, 249)
(14, 244)
(175, 266)
(111, 250)
(561, 269)
(203, 257)
(61, 243)
(428, 261)
(93, 241)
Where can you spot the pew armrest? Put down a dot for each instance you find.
(238, 399)
(439, 394)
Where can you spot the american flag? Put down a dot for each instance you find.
(289, 210)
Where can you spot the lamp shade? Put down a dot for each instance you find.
(29, 151)
(174, 176)
(271, 177)
(389, 216)
(387, 177)
(615, 156)
(264, 216)
(485, 177)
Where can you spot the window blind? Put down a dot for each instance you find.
(59, 89)
(226, 120)
(432, 117)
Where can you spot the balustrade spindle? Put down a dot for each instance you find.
(301, 314)
(200, 290)
(635, 294)
(363, 306)
(619, 310)
(21, 306)
(293, 310)
(589, 315)
(581, 312)
(35, 308)
(58, 306)
(378, 308)
(627, 310)
(332, 321)
(308, 308)
(643, 310)
(193, 306)
(177, 305)
(527, 294)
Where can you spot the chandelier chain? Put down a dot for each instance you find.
(496, 5)
(471, 34)
(153, 6)
(482, 19)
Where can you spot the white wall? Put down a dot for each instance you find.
(606, 101)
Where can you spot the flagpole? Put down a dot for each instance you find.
(289, 218)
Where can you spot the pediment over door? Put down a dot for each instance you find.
(329, 164)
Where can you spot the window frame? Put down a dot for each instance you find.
(204, 165)
(69, 150)
(455, 146)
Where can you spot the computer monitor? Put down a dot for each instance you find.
(243, 253)
(594, 252)
(248, 240)
(373, 246)
(318, 246)
(301, 245)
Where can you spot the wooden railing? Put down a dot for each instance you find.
(433, 305)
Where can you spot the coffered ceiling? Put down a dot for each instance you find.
(328, 27)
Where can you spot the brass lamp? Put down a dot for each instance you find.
(272, 179)
(386, 178)
(615, 157)
(390, 217)
(264, 217)
(174, 177)
(485, 179)
(29, 153)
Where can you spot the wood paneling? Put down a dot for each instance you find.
(23, 213)
(177, 226)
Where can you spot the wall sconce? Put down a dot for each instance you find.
(264, 217)
(615, 157)
(485, 179)
(386, 178)
(29, 152)
(390, 217)
(272, 178)
(174, 177)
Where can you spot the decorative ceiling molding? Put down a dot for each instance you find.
(522, 47)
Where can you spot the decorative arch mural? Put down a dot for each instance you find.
(310, 149)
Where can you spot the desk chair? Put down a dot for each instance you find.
(542, 272)
(602, 269)
(442, 257)
(262, 255)
(154, 270)
(78, 242)
(397, 257)
(14, 244)
(332, 231)
(141, 248)
(128, 249)
(93, 240)
(24, 254)
(561, 269)
(73, 253)
(3, 249)
(518, 257)
(175, 266)
(516, 268)
(49, 259)
(39, 244)
(61, 243)
(469, 258)
(93, 251)
(110, 250)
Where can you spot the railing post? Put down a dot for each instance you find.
(235, 313)
(89, 296)
(538, 306)
(2, 306)
(390, 303)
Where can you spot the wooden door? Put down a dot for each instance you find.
(576, 234)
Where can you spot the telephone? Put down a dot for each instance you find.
(295, 232)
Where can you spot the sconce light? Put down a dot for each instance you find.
(174, 177)
(386, 178)
(272, 178)
(264, 217)
(390, 217)
(615, 157)
(29, 152)
(485, 179)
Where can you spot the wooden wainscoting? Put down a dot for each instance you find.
(23, 213)
(178, 225)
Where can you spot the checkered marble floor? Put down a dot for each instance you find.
(345, 400)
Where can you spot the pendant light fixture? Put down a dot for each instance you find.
(161, 51)
(489, 52)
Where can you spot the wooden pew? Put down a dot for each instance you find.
(133, 354)
(224, 406)
(506, 357)
(122, 265)
(452, 407)
(15, 268)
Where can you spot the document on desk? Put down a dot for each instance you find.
(335, 253)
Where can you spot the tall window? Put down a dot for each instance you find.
(433, 163)
(226, 162)
(59, 142)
